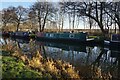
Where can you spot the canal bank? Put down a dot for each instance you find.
(36, 67)
(85, 63)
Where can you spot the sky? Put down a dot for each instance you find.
(15, 4)
(27, 4)
(24, 3)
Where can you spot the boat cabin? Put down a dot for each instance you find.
(20, 34)
(115, 37)
(115, 42)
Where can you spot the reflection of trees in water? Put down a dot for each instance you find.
(107, 63)
(103, 64)
(30, 49)
(102, 61)
(18, 45)
(96, 58)
(43, 51)
(97, 61)
(7, 44)
(88, 56)
(119, 66)
(3, 41)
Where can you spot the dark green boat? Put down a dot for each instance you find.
(62, 37)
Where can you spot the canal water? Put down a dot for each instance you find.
(77, 55)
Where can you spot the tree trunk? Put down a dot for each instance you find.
(73, 17)
(18, 24)
(69, 21)
(39, 21)
(44, 21)
(90, 23)
(101, 27)
(119, 27)
(62, 23)
(96, 10)
(101, 13)
(115, 27)
(99, 24)
(118, 23)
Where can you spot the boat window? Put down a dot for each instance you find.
(51, 35)
(71, 36)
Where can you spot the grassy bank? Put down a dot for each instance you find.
(15, 64)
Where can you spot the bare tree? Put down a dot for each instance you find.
(7, 15)
(32, 19)
(70, 8)
(19, 17)
(113, 10)
(96, 14)
(14, 15)
(43, 11)
(94, 11)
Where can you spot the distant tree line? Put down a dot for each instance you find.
(103, 14)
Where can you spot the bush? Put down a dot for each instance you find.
(32, 35)
(14, 68)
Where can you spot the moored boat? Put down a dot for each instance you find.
(5, 34)
(20, 34)
(62, 37)
(115, 42)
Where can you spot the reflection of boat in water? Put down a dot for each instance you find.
(80, 48)
(4, 34)
(115, 53)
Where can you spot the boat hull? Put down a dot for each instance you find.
(62, 37)
(61, 40)
(115, 45)
(77, 38)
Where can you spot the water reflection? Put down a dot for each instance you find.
(107, 60)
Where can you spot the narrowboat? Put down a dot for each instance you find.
(20, 34)
(95, 40)
(115, 45)
(62, 37)
(5, 34)
(115, 42)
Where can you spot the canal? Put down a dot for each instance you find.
(79, 56)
